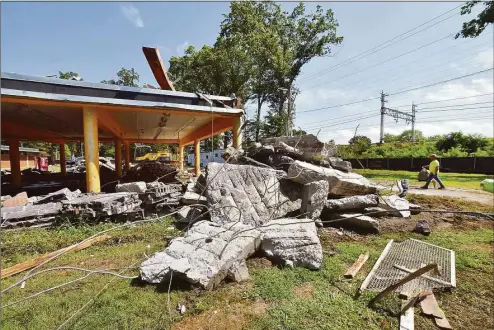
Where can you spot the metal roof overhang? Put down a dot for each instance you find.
(38, 108)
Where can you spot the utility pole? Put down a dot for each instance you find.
(408, 117)
(383, 112)
(413, 121)
(289, 111)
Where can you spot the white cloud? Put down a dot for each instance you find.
(485, 58)
(181, 48)
(132, 14)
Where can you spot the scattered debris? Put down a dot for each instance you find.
(411, 254)
(352, 203)
(18, 200)
(340, 183)
(314, 198)
(181, 309)
(137, 187)
(103, 204)
(294, 240)
(37, 261)
(150, 171)
(407, 317)
(394, 202)
(431, 308)
(354, 221)
(30, 215)
(57, 196)
(354, 269)
(423, 228)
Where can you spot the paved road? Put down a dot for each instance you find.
(468, 194)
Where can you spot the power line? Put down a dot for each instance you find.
(441, 82)
(373, 50)
(340, 105)
(336, 118)
(388, 60)
(455, 105)
(446, 100)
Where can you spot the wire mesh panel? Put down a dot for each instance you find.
(411, 254)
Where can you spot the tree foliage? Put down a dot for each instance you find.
(126, 77)
(476, 26)
(405, 136)
(69, 75)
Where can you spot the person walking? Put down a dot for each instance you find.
(433, 172)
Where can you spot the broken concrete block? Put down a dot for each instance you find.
(103, 204)
(29, 215)
(61, 195)
(193, 198)
(314, 196)
(238, 272)
(204, 255)
(181, 215)
(5, 197)
(137, 187)
(351, 203)
(393, 202)
(18, 200)
(353, 221)
(340, 164)
(249, 194)
(294, 240)
(414, 208)
(340, 183)
(190, 214)
(159, 192)
(376, 212)
(309, 145)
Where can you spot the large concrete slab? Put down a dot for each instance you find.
(249, 194)
(204, 255)
(352, 203)
(292, 241)
(340, 183)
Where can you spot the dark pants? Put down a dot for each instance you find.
(435, 177)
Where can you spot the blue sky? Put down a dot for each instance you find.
(97, 39)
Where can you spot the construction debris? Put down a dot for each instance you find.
(353, 270)
(30, 215)
(103, 204)
(422, 227)
(137, 187)
(401, 205)
(18, 200)
(351, 203)
(57, 196)
(357, 222)
(340, 183)
(150, 171)
(293, 241)
(411, 254)
(39, 260)
(431, 308)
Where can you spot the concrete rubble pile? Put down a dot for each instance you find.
(150, 171)
(268, 200)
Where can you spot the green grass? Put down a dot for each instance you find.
(457, 180)
(274, 298)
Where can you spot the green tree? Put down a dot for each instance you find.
(68, 75)
(126, 77)
(476, 26)
(359, 144)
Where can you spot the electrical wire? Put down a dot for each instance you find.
(373, 66)
(373, 50)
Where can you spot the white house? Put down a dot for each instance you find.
(207, 157)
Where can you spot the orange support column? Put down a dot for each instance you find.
(15, 163)
(118, 157)
(91, 149)
(127, 156)
(63, 165)
(181, 158)
(197, 157)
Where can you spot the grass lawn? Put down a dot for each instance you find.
(274, 298)
(457, 180)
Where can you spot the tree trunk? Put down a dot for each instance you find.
(258, 119)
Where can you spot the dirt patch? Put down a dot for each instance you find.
(231, 317)
(305, 291)
(259, 262)
(479, 247)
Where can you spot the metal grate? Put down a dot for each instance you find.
(411, 254)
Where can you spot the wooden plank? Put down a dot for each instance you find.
(407, 279)
(433, 279)
(156, 64)
(37, 261)
(376, 265)
(431, 308)
(407, 318)
(353, 270)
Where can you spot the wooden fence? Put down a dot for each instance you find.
(481, 165)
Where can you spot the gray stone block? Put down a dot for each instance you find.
(292, 240)
(340, 183)
(193, 198)
(249, 194)
(314, 196)
(354, 221)
(352, 203)
(137, 187)
(393, 202)
(340, 164)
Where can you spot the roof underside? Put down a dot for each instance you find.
(37, 107)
